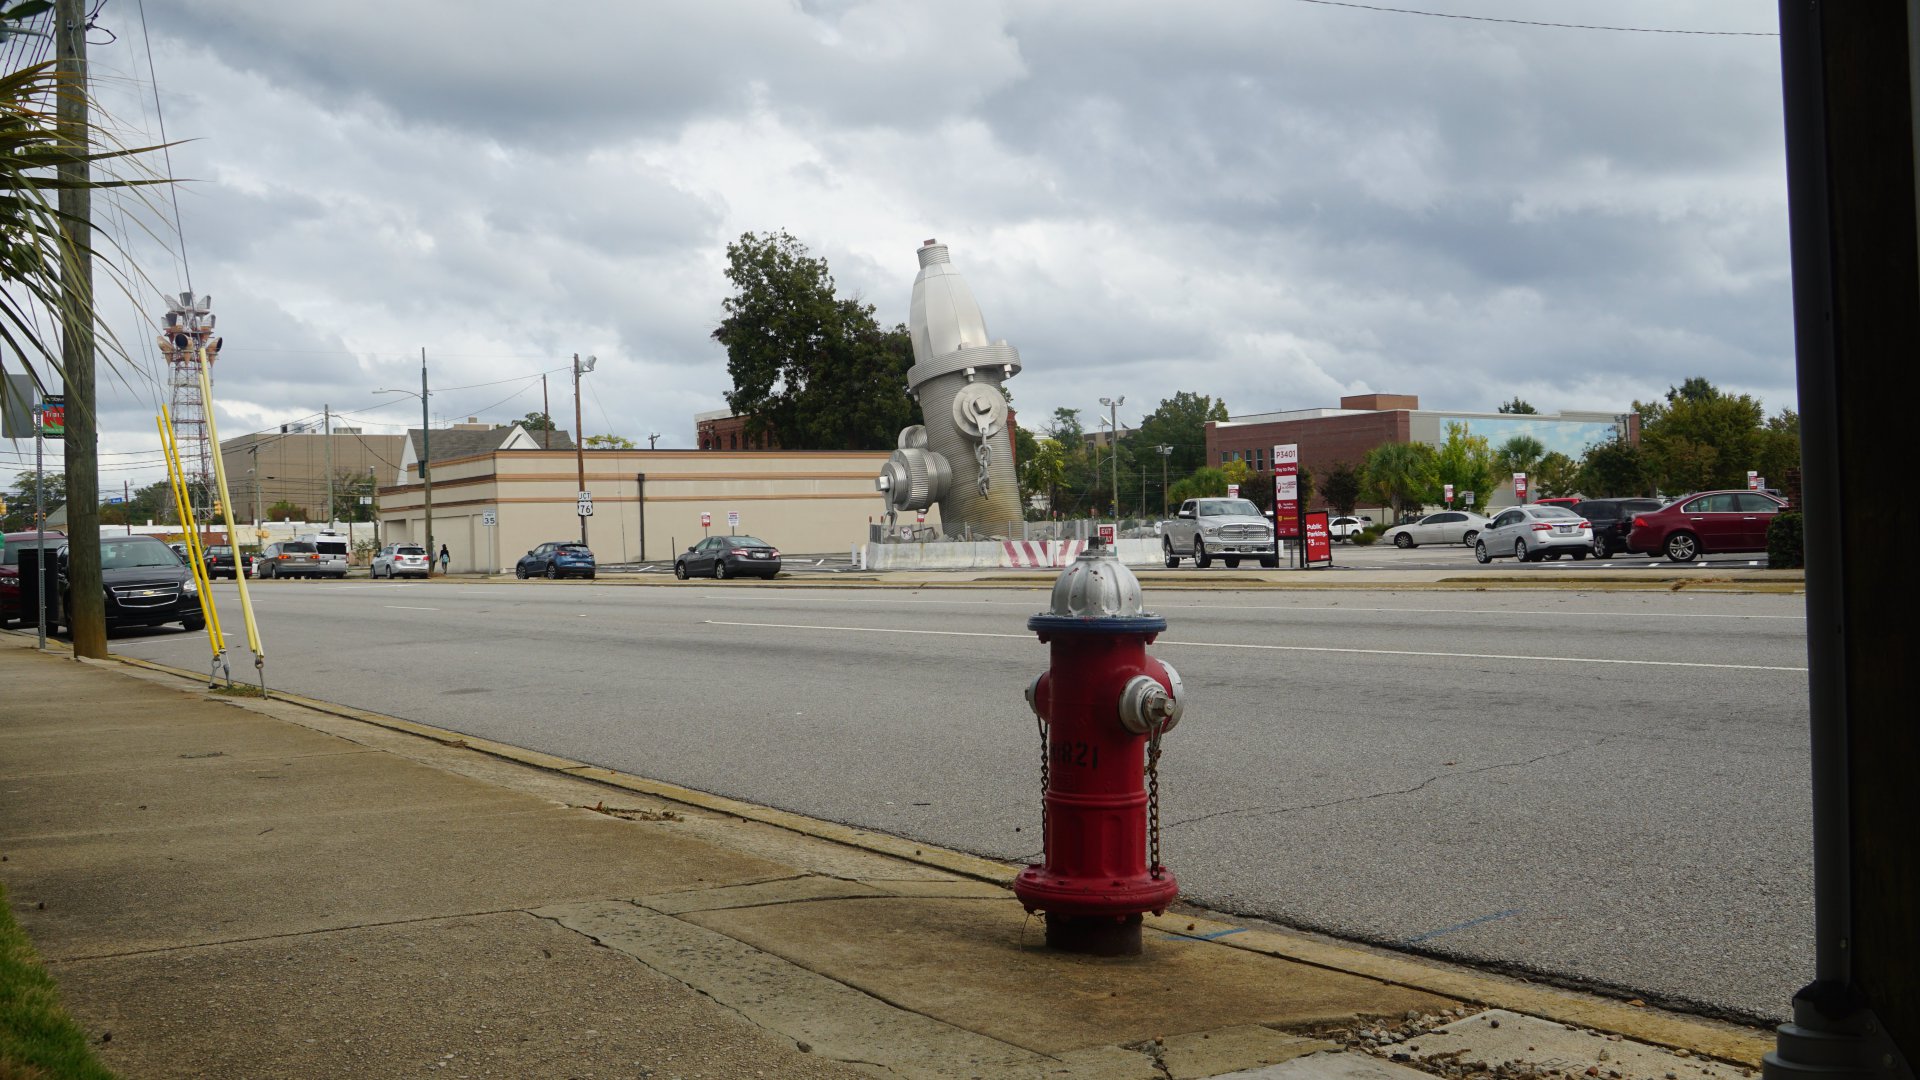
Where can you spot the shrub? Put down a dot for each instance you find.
(1367, 535)
(1785, 541)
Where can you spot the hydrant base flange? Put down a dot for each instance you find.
(1094, 936)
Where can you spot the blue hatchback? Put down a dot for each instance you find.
(556, 560)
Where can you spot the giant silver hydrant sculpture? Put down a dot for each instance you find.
(962, 457)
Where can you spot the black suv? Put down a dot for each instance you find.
(1612, 519)
(146, 584)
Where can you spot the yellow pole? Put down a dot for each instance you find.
(196, 557)
(226, 511)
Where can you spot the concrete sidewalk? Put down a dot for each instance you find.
(226, 887)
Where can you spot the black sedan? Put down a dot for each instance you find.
(556, 560)
(145, 583)
(728, 556)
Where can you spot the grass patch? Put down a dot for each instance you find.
(239, 689)
(38, 1041)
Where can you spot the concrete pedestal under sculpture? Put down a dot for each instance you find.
(961, 459)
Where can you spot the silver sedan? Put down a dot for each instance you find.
(1445, 527)
(1532, 533)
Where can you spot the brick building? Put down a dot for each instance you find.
(1329, 437)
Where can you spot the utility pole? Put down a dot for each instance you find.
(579, 443)
(652, 437)
(1165, 453)
(373, 492)
(1113, 422)
(426, 458)
(255, 451)
(86, 615)
(546, 413)
(326, 426)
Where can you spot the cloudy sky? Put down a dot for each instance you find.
(1275, 202)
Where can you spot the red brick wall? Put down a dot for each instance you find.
(1324, 440)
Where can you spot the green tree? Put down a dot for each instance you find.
(1180, 422)
(1700, 438)
(814, 370)
(1517, 405)
(1779, 447)
(1203, 483)
(1556, 474)
(1399, 474)
(1613, 469)
(1465, 461)
(53, 492)
(1343, 487)
(537, 421)
(607, 442)
(1043, 470)
(1518, 455)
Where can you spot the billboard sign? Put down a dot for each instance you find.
(1286, 490)
(53, 417)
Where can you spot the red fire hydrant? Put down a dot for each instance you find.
(1102, 706)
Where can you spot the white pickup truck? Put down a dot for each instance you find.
(1224, 529)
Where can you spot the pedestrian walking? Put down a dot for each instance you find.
(445, 558)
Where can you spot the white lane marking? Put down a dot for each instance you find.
(759, 598)
(409, 607)
(1286, 648)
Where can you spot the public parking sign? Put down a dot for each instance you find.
(1520, 486)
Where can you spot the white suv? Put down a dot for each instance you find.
(1533, 532)
(401, 560)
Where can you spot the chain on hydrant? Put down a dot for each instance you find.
(1102, 706)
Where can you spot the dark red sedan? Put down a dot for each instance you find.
(10, 571)
(1705, 523)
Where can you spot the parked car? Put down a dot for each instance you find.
(223, 562)
(146, 584)
(1343, 528)
(1568, 501)
(1705, 523)
(728, 556)
(180, 551)
(1533, 532)
(401, 560)
(14, 542)
(1611, 518)
(1445, 527)
(289, 558)
(1227, 529)
(561, 558)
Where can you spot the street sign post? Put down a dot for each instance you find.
(1109, 535)
(1467, 497)
(1449, 494)
(488, 520)
(733, 520)
(1233, 491)
(1520, 486)
(1753, 480)
(1286, 492)
(584, 505)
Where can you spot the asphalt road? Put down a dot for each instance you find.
(1607, 788)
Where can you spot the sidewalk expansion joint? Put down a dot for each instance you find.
(318, 931)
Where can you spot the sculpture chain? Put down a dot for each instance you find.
(984, 455)
(1153, 805)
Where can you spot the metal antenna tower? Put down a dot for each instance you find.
(186, 328)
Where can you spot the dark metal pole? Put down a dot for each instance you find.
(579, 445)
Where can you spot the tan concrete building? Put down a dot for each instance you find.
(646, 503)
(291, 466)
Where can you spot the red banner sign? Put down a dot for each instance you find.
(1319, 538)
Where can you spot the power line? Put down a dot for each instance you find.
(1536, 22)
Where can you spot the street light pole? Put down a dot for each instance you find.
(426, 453)
(1113, 422)
(579, 442)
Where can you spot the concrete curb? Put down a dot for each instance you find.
(1721, 1041)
